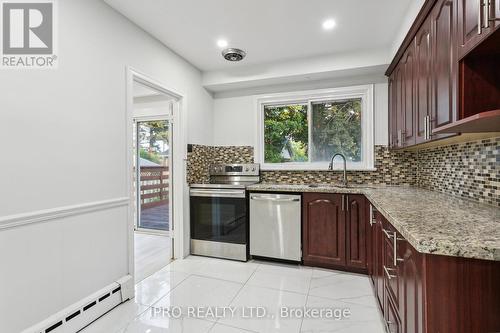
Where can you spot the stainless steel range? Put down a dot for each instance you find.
(219, 221)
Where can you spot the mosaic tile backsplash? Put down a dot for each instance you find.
(470, 170)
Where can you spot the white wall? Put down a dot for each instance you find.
(62, 138)
(408, 19)
(235, 118)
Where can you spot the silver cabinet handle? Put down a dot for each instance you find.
(343, 201)
(347, 202)
(372, 216)
(429, 128)
(388, 274)
(274, 199)
(426, 130)
(479, 21)
(486, 13)
(395, 240)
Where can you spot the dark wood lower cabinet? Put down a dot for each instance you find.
(411, 288)
(334, 227)
(417, 293)
(426, 293)
(323, 234)
(356, 232)
(462, 295)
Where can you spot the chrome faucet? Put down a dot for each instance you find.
(330, 166)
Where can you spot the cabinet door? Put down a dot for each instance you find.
(392, 112)
(323, 230)
(473, 25)
(378, 262)
(444, 68)
(398, 113)
(370, 254)
(423, 61)
(391, 274)
(411, 288)
(407, 103)
(356, 232)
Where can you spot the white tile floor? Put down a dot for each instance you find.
(205, 282)
(151, 253)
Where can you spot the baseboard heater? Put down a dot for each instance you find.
(77, 316)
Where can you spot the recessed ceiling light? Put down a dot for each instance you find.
(329, 24)
(222, 43)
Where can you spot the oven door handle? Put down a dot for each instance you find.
(217, 193)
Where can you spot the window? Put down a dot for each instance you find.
(302, 131)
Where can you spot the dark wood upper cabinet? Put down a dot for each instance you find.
(445, 64)
(476, 20)
(356, 232)
(423, 72)
(323, 230)
(479, 79)
(399, 103)
(392, 112)
(446, 70)
(408, 105)
(469, 31)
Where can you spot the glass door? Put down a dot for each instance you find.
(153, 178)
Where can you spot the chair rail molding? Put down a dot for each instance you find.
(17, 220)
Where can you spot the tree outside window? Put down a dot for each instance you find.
(335, 128)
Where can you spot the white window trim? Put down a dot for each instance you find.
(365, 92)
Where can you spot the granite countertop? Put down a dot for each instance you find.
(431, 222)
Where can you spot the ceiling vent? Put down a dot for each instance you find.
(233, 54)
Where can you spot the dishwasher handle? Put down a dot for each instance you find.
(260, 198)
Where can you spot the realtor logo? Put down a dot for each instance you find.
(28, 34)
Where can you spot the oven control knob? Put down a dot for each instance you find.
(253, 169)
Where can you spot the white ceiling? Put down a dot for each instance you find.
(268, 30)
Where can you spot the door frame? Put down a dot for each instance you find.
(137, 202)
(179, 157)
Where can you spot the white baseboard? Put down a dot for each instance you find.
(77, 316)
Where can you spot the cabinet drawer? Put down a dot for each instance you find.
(391, 274)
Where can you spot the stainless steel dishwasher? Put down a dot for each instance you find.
(275, 226)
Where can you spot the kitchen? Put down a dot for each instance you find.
(320, 167)
(409, 224)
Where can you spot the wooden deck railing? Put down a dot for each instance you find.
(154, 186)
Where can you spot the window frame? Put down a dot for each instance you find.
(365, 92)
